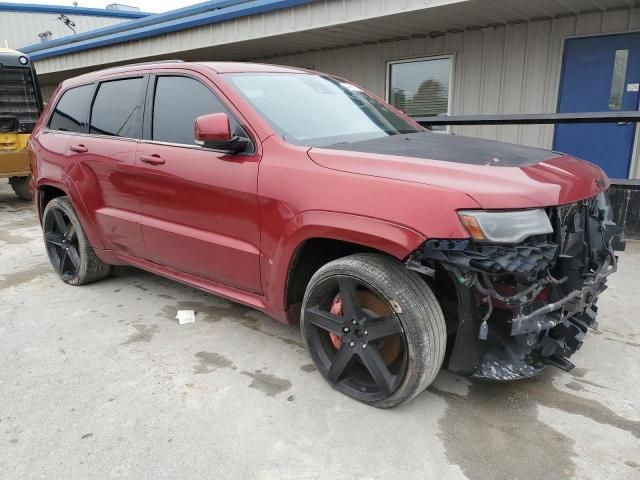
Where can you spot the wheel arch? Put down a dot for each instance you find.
(46, 193)
(47, 189)
(314, 238)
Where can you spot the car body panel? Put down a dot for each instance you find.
(556, 181)
(107, 170)
(200, 212)
(232, 225)
(450, 148)
(199, 202)
(394, 239)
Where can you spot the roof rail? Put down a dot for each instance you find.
(151, 62)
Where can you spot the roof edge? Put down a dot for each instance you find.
(91, 12)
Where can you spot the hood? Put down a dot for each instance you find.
(495, 174)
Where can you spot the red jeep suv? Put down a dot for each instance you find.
(300, 194)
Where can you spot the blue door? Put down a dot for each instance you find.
(600, 74)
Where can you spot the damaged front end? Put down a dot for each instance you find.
(512, 308)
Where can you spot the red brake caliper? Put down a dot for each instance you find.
(336, 309)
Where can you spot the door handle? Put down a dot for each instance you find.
(78, 148)
(152, 159)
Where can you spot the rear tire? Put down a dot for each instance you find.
(68, 248)
(386, 344)
(20, 186)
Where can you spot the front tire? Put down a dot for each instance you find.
(20, 186)
(68, 248)
(374, 329)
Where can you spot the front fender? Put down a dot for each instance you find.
(396, 240)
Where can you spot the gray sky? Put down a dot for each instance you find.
(154, 6)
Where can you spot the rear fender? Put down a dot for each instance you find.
(65, 184)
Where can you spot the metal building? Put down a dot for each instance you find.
(24, 24)
(428, 57)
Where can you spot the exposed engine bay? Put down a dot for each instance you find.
(512, 309)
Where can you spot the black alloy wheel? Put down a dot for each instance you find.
(61, 241)
(67, 245)
(373, 329)
(357, 338)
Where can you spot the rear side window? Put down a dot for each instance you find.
(117, 108)
(72, 111)
(178, 102)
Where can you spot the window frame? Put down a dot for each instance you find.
(87, 113)
(150, 97)
(141, 104)
(450, 56)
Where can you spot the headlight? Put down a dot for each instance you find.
(507, 226)
(23, 60)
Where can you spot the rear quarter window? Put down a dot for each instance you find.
(72, 110)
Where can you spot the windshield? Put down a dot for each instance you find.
(315, 110)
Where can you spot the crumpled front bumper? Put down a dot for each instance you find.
(576, 302)
(559, 329)
(518, 308)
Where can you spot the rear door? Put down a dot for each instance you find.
(199, 207)
(106, 157)
(69, 118)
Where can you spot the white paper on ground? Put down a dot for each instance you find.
(186, 316)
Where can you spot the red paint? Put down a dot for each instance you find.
(336, 309)
(230, 224)
(211, 128)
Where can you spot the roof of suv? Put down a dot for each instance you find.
(218, 67)
(240, 67)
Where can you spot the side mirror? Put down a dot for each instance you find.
(213, 131)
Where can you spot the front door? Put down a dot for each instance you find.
(199, 208)
(600, 74)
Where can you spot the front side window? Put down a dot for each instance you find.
(72, 111)
(317, 110)
(421, 87)
(117, 108)
(178, 102)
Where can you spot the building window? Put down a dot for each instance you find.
(619, 79)
(421, 87)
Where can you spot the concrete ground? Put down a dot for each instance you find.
(101, 382)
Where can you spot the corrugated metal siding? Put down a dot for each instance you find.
(317, 15)
(322, 24)
(506, 69)
(47, 91)
(513, 68)
(22, 29)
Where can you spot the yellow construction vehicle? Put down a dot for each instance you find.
(20, 107)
